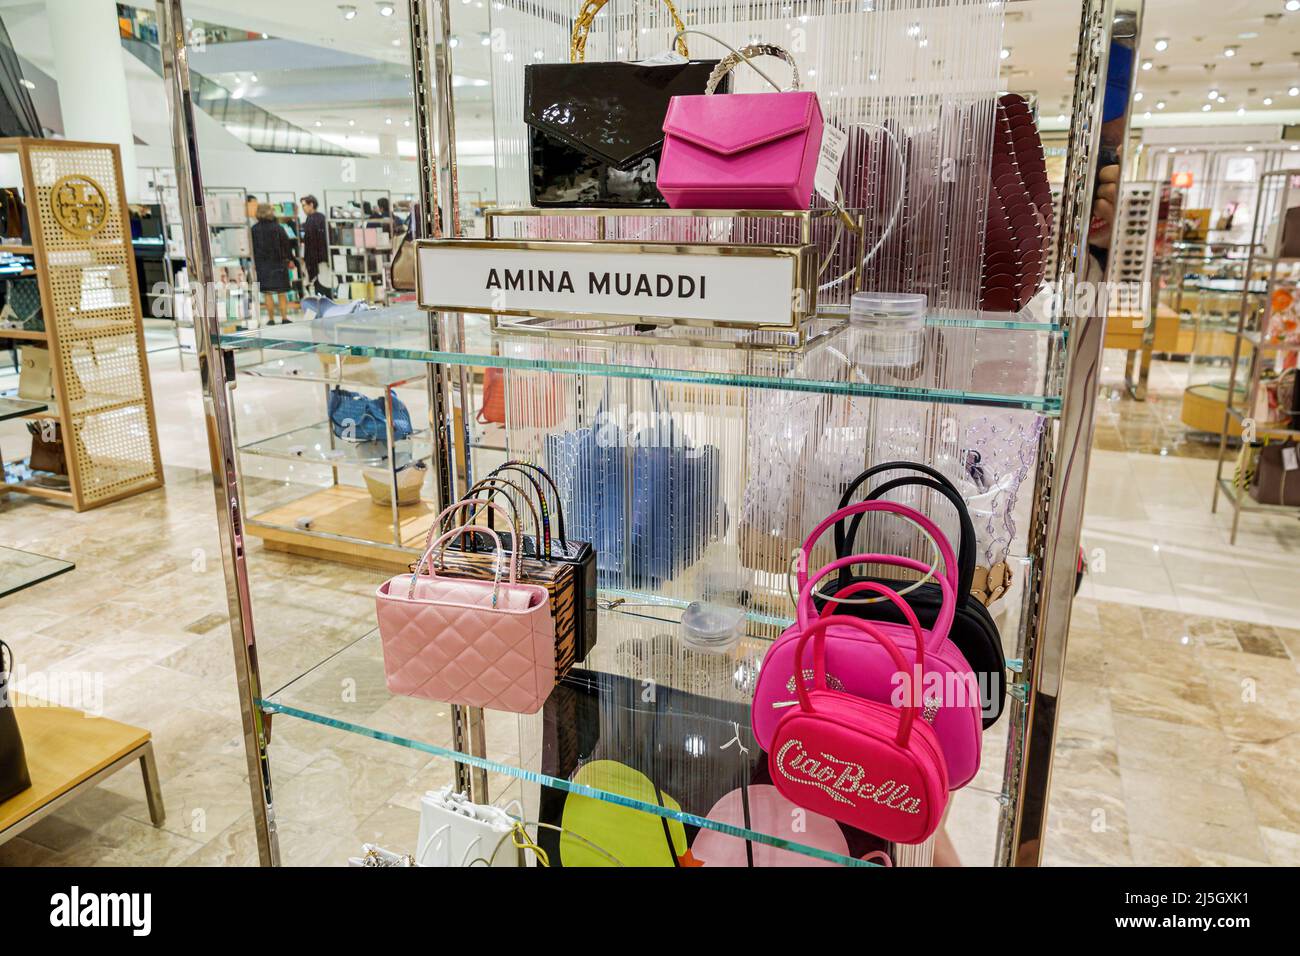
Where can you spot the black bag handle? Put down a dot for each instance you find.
(494, 485)
(519, 465)
(937, 481)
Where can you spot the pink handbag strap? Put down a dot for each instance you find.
(496, 577)
(888, 507)
(876, 587)
(805, 609)
(817, 634)
(458, 506)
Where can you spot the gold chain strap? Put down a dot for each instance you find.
(744, 55)
(587, 16)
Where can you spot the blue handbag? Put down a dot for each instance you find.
(649, 502)
(354, 417)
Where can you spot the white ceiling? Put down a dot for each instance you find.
(352, 76)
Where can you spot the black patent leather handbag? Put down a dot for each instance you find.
(595, 130)
(14, 777)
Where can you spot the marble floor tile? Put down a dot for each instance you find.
(1192, 811)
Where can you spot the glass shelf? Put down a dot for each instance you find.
(317, 444)
(340, 369)
(676, 716)
(998, 367)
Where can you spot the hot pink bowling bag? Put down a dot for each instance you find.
(868, 764)
(478, 643)
(949, 693)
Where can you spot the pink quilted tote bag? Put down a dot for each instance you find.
(479, 643)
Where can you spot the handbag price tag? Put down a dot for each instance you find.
(666, 58)
(828, 161)
(1290, 462)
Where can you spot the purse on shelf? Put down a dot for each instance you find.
(48, 453)
(402, 274)
(743, 150)
(595, 130)
(456, 832)
(14, 777)
(354, 417)
(463, 641)
(22, 308)
(973, 631)
(862, 668)
(13, 216)
(864, 762)
(1276, 480)
(471, 555)
(35, 377)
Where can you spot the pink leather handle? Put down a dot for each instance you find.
(805, 608)
(511, 522)
(431, 544)
(889, 507)
(817, 633)
(876, 587)
(496, 575)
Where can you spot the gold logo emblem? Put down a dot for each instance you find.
(79, 205)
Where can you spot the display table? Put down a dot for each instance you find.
(1127, 330)
(69, 752)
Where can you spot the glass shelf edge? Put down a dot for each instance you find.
(1044, 404)
(532, 776)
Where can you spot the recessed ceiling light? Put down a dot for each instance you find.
(1294, 91)
(397, 42)
(454, 42)
(1268, 101)
(1006, 52)
(385, 9)
(1137, 97)
(1162, 44)
(406, 122)
(1205, 108)
(1214, 95)
(349, 12)
(1222, 99)
(1250, 149)
(1229, 51)
(252, 77)
(1146, 115)
(317, 123)
(1160, 104)
(352, 122)
(485, 40)
(1241, 111)
(388, 121)
(1291, 6)
(1146, 64)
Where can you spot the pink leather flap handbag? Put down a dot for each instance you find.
(949, 694)
(862, 762)
(741, 150)
(479, 643)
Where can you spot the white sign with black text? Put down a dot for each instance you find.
(746, 286)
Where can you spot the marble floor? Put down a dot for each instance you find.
(1180, 713)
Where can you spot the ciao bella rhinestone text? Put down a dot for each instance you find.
(626, 284)
(842, 780)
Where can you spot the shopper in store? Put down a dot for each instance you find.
(315, 242)
(272, 257)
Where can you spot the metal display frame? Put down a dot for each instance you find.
(1062, 460)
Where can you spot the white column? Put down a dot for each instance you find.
(92, 79)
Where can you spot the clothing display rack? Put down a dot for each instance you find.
(1275, 252)
(360, 245)
(1024, 381)
(92, 330)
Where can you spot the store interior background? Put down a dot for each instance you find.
(1157, 762)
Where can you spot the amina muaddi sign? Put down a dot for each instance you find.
(756, 286)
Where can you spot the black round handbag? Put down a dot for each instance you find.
(973, 631)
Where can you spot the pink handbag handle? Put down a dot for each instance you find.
(890, 507)
(947, 610)
(496, 576)
(511, 522)
(906, 609)
(817, 633)
(945, 548)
